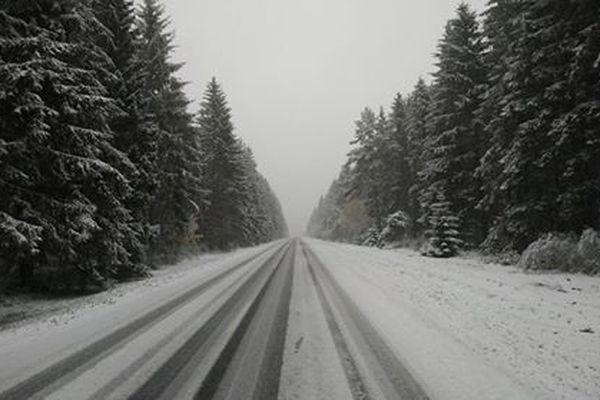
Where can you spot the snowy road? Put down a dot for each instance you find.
(223, 338)
(289, 320)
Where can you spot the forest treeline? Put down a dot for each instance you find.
(103, 171)
(501, 148)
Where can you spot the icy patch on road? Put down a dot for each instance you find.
(454, 322)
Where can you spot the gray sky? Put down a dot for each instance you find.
(298, 72)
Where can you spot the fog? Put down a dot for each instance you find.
(298, 73)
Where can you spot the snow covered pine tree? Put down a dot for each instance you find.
(61, 188)
(443, 235)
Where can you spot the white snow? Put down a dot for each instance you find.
(35, 346)
(42, 313)
(464, 329)
(311, 366)
(467, 330)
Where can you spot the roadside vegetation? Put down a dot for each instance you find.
(104, 173)
(499, 153)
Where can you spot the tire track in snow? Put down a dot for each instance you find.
(357, 386)
(158, 384)
(100, 349)
(270, 371)
(392, 379)
(107, 390)
(240, 372)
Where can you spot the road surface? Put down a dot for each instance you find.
(275, 325)
(313, 320)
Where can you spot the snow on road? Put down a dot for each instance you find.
(458, 328)
(39, 344)
(311, 366)
(43, 313)
(467, 330)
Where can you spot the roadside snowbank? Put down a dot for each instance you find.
(470, 330)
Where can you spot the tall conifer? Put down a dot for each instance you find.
(163, 104)
(456, 137)
(225, 174)
(62, 188)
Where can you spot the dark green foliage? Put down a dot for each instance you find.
(503, 27)
(118, 42)
(134, 131)
(179, 193)
(224, 173)
(399, 150)
(443, 234)
(61, 181)
(398, 228)
(241, 208)
(262, 216)
(100, 163)
(455, 141)
(508, 131)
(549, 163)
(417, 125)
(377, 166)
(363, 163)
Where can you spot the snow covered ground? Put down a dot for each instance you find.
(467, 330)
(460, 329)
(311, 366)
(37, 346)
(20, 314)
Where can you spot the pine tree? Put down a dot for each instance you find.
(254, 214)
(179, 194)
(503, 29)
(443, 233)
(276, 220)
(418, 108)
(133, 135)
(118, 42)
(384, 186)
(576, 142)
(262, 216)
(61, 192)
(366, 161)
(361, 157)
(225, 172)
(401, 177)
(508, 132)
(550, 163)
(456, 134)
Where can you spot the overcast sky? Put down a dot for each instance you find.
(297, 74)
